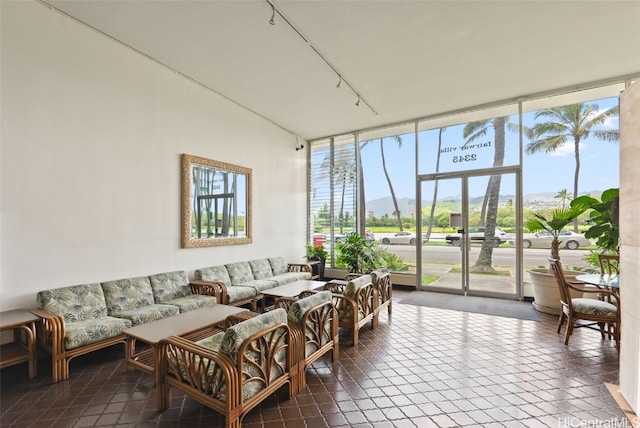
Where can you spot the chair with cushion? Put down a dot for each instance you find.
(132, 299)
(233, 371)
(609, 264)
(173, 288)
(592, 312)
(355, 303)
(382, 283)
(73, 322)
(314, 324)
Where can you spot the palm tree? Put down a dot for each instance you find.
(564, 196)
(573, 123)
(396, 211)
(472, 131)
(344, 173)
(435, 184)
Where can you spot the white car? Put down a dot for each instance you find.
(406, 238)
(476, 234)
(570, 240)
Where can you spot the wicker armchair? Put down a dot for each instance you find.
(314, 326)
(233, 371)
(356, 303)
(595, 312)
(382, 283)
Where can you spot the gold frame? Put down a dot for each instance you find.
(187, 240)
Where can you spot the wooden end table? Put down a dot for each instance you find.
(19, 320)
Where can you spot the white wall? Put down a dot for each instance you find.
(630, 245)
(92, 134)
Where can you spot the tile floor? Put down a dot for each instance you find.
(425, 367)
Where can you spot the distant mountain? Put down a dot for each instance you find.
(539, 200)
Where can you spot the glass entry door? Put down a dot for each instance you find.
(470, 221)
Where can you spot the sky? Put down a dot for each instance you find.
(542, 172)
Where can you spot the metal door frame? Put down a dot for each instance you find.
(465, 244)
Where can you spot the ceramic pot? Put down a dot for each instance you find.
(546, 294)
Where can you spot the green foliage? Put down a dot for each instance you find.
(607, 235)
(554, 224)
(383, 258)
(361, 256)
(317, 252)
(355, 253)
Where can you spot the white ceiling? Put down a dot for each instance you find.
(407, 59)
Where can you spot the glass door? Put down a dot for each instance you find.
(469, 222)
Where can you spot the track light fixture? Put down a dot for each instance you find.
(272, 21)
(316, 51)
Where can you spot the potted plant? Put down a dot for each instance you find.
(546, 294)
(319, 254)
(356, 253)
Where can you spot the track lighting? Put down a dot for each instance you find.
(341, 79)
(272, 21)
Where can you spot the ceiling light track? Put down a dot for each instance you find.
(341, 77)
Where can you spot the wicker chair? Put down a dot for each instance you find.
(233, 371)
(382, 283)
(595, 312)
(314, 329)
(609, 264)
(356, 303)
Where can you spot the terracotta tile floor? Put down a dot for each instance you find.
(424, 368)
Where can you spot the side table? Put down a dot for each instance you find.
(19, 320)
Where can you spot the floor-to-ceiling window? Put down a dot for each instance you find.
(449, 195)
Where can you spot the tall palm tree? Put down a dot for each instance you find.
(573, 123)
(564, 196)
(396, 211)
(472, 131)
(435, 184)
(344, 173)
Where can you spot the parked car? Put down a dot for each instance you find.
(476, 234)
(403, 238)
(570, 240)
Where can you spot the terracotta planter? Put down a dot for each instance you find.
(546, 295)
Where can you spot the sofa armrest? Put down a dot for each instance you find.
(50, 332)
(210, 288)
(299, 267)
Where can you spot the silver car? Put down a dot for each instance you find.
(570, 240)
(406, 238)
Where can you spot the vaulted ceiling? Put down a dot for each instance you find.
(405, 59)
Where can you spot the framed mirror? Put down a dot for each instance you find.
(216, 203)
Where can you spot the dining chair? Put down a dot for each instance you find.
(609, 264)
(595, 314)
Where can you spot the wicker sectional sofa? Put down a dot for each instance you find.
(79, 319)
(242, 283)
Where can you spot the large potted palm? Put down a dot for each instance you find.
(546, 295)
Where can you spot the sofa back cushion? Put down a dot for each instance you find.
(127, 294)
(214, 273)
(74, 303)
(278, 265)
(240, 273)
(169, 286)
(238, 333)
(261, 268)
